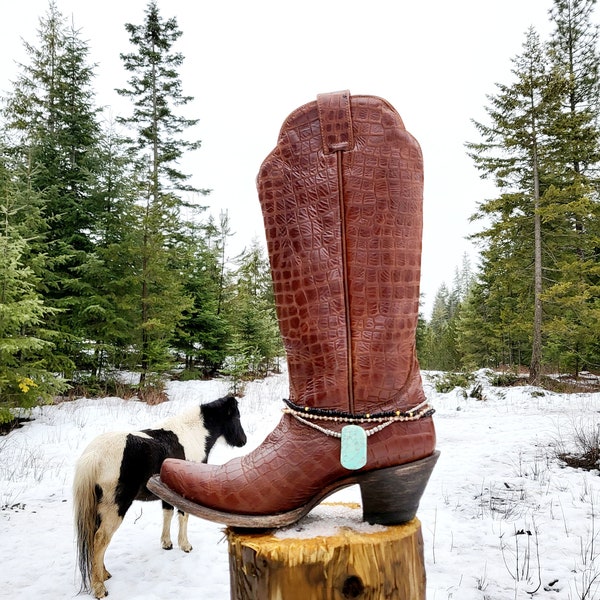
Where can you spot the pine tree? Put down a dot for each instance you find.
(574, 51)
(204, 336)
(106, 278)
(26, 375)
(463, 279)
(54, 133)
(159, 142)
(155, 90)
(571, 208)
(252, 311)
(516, 151)
(477, 339)
(439, 346)
(435, 351)
(494, 325)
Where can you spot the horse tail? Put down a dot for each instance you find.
(85, 507)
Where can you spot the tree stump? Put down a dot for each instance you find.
(362, 562)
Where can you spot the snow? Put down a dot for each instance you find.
(501, 517)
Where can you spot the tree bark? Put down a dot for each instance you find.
(535, 368)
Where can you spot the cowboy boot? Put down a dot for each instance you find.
(341, 196)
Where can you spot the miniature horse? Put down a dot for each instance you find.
(113, 471)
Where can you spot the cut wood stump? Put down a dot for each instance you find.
(363, 562)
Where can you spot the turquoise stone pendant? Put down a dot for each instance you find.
(353, 454)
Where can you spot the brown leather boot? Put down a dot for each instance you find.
(341, 196)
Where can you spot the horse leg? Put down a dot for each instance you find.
(165, 538)
(182, 539)
(109, 523)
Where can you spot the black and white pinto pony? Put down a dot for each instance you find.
(113, 471)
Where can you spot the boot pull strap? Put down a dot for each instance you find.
(336, 121)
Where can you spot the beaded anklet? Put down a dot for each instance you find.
(417, 412)
(353, 454)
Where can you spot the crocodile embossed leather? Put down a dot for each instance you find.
(341, 195)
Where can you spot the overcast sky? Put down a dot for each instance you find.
(249, 63)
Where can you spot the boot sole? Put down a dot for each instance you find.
(390, 496)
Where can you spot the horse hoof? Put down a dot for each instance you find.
(187, 548)
(100, 591)
(167, 546)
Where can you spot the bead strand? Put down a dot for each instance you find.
(340, 416)
(425, 410)
(337, 434)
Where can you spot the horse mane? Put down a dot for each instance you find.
(189, 417)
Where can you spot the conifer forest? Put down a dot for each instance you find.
(534, 300)
(108, 262)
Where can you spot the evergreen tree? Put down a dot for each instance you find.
(54, 134)
(435, 355)
(26, 375)
(463, 279)
(517, 151)
(204, 336)
(421, 335)
(155, 90)
(542, 149)
(477, 338)
(223, 232)
(494, 326)
(438, 343)
(571, 208)
(252, 311)
(574, 51)
(159, 143)
(108, 277)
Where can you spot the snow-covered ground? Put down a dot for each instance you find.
(502, 519)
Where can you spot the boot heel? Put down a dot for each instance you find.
(391, 496)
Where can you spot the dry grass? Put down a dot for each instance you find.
(570, 385)
(585, 452)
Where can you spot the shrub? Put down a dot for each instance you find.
(447, 382)
(503, 379)
(586, 450)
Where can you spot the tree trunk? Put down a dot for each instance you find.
(387, 563)
(535, 368)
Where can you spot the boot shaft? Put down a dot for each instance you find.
(341, 196)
